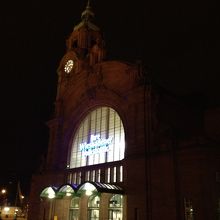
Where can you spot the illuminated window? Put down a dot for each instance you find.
(74, 209)
(108, 175)
(93, 207)
(189, 212)
(93, 176)
(114, 174)
(99, 139)
(98, 175)
(48, 192)
(87, 176)
(74, 178)
(116, 207)
(69, 180)
(121, 173)
(78, 177)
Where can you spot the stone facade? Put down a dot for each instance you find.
(170, 168)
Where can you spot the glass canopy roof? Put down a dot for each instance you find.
(87, 187)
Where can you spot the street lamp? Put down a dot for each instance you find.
(3, 200)
(3, 197)
(3, 191)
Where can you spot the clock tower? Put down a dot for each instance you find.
(85, 50)
(84, 46)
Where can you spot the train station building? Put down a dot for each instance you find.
(121, 147)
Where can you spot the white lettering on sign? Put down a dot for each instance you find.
(97, 145)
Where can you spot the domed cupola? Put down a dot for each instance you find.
(86, 40)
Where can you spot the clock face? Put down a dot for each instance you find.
(68, 66)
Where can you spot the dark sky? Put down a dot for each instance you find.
(178, 41)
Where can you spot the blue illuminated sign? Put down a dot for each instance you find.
(97, 145)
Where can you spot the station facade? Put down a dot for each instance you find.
(120, 147)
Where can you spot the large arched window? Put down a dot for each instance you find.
(99, 139)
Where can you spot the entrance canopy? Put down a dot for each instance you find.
(49, 192)
(100, 187)
(88, 188)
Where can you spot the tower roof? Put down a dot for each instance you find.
(87, 16)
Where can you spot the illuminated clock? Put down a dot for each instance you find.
(69, 66)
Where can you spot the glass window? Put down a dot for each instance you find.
(116, 207)
(74, 202)
(107, 175)
(93, 207)
(74, 209)
(78, 177)
(189, 212)
(114, 174)
(48, 192)
(93, 175)
(99, 139)
(74, 178)
(87, 176)
(69, 178)
(66, 190)
(121, 173)
(98, 175)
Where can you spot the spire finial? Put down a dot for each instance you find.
(87, 14)
(88, 4)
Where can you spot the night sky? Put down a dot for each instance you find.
(178, 42)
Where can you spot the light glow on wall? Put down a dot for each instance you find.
(6, 209)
